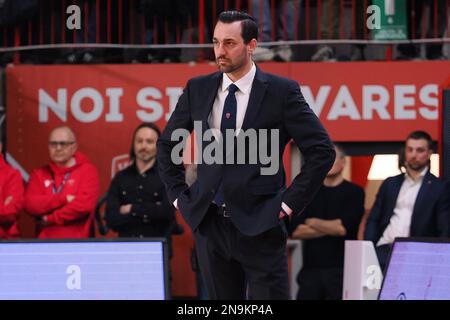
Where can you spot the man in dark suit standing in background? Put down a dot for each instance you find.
(410, 204)
(238, 211)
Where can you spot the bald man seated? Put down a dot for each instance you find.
(62, 195)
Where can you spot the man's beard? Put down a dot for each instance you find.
(227, 68)
(231, 67)
(145, 156)
(416, 167)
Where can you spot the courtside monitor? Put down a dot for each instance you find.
(102, 269)
(418, 269)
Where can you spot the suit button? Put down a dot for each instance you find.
(140, 187)
(156, 194)
(213, 191)
(133, 214)
(158, 203)
(139, 200)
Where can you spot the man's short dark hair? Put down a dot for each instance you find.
(149, 125)
(417, 135)
(249, 26)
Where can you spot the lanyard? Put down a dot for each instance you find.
(61, 186)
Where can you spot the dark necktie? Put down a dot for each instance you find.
(228, 122)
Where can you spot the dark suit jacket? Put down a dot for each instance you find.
(252, 199)
(430, 217)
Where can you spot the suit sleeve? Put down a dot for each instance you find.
(173, 175)
(443, 212)
(84, 202)
(314, 143)
(38, 203)
(372, 231)
(298, 220)
(14, 187)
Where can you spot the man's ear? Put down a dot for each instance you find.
(252, 46)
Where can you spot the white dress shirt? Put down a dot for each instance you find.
(244, 85)
(400, 223)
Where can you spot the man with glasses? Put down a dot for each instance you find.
(63, 194)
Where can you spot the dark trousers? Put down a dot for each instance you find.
(383, 255)
(320, 284)
(236, 266)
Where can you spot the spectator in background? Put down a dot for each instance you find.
(284, 26)
(410, 204)
(16, 14)
(62, 195)
(157, 22)
(330, 13)
(331, 218)
(428, 16)
(137, 204)
(11, 199)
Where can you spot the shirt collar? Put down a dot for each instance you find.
(244, 84)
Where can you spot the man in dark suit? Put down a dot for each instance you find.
(238, 211)
(410, 204)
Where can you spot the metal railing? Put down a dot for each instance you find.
(168, 24)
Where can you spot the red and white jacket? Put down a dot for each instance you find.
(11, 185)
(46, 195)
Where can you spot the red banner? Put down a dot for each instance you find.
(377, 101)
(103, 103)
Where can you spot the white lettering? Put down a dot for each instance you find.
(370, 104)
(174, 94)
(401, 101)
(59, 107)
(155, 107)
(97, 109)
(114, 114)
(344, 106)
(429, 96)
